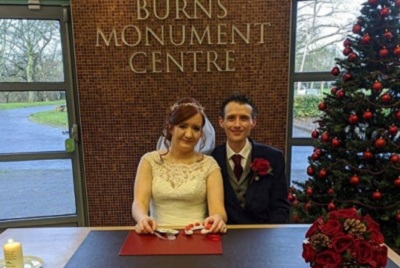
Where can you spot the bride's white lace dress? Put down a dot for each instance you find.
(179, 190)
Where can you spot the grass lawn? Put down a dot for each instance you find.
(52, 118)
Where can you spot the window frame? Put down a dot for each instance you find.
(62, 14)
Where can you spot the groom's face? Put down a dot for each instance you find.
(237, 122)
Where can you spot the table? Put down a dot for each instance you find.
(57, 245)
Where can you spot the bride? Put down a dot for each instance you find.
(179, 185)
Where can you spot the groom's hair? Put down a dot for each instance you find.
(241, 99)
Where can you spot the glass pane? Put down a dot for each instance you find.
(30, 51)
(322, 27)
(307, 97)
(33, 121)
(36, 189)
(299, 164)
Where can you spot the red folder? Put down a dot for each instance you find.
(197, 244)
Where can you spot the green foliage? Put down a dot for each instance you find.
(347, 136)
(52, 118)
(16, 105)
(306, 106)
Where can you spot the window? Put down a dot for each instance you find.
(40, 170)
(319, 29)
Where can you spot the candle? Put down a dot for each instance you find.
(13, 254)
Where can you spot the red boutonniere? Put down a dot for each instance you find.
(260, 167)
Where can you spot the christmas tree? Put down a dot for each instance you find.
(356, 161)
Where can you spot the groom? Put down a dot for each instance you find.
(254, 177)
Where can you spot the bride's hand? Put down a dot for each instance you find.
(146, 225)
(216, 223)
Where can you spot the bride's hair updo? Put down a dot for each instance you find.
(179, 112)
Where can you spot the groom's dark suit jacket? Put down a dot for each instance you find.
(266, 198)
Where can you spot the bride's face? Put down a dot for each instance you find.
(186, 134)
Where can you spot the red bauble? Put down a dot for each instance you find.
(384, 12)
(353, 119)
(352, 56)
(310, 171)
(331, 191)
(315, 134)
(315, 156)
(334, 90)
(354, 180)
(380, 143)
(377, 86)
(394, 158)
(368, 155)
(307, 206)
(372, 2)
(397, 114)
(291, 197)
(397, 3)
(340, 93)
(386, 98)
(325, 137)
(335, 71)
(368, 115)
(317, 151)
(295, 217)
(309, 191)
(356, 29)
(397, 182)
(396, 50)
(295, 203)
(376, 195)
(393, 129)
(347, 51)
(347, 76)
(383, 52)
(387, 35)
(335, 142)
(366, 39)
(331, 206)
(398, 217)
(346, 43)
(322, 173)
(322, 106)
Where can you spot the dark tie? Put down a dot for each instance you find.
(237, 169)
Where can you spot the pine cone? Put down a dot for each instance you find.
(319, 241)
(354, 226)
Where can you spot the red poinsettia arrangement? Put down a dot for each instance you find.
(345, 239)
(260, 167)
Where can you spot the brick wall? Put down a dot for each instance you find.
(122, 110)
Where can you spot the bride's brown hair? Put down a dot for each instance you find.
(179, 112)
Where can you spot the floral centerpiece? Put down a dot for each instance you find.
(343, 238)
(260, 167)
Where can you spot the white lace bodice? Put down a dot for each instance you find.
(179, 190)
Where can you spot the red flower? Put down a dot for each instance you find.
(364, 252)
(328, 258)
(308, 252)
(344, 213)
(344, 235)
(381, 256)
(260, 167)
(331, 227)
(315, 227)
(342, 242)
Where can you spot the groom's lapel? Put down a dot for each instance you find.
(251, 187)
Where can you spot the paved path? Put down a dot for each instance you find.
(33, 188)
